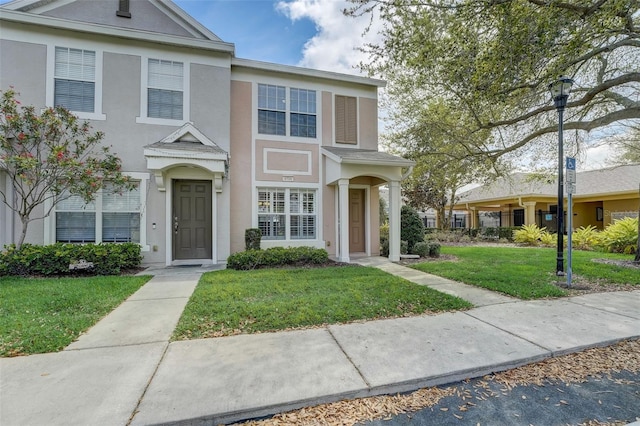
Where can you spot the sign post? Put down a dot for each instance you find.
(570, 165)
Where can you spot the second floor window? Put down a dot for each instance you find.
(74, 79)
(346, 120)
(165, 89)
(276, 110)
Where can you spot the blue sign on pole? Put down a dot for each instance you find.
(570, 163)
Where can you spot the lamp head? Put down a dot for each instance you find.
(561, 87)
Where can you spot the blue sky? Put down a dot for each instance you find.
(249, 23)
(308, 33)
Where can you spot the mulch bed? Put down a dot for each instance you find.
(567, 369)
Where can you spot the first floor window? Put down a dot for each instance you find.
(111, 217)
(285, 213)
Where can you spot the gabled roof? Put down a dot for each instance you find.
(612, 180)
(186, 138)
(159, 21)
(365, 156)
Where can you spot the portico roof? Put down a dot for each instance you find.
(348, 163)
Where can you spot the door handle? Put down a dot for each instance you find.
(175, 225)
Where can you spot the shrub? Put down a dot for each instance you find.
(404, 247)
(621, 236)
(411, 227)
(252, 238)
(277, 256)
(54, 259)
(529, 235)
(384, 248)
(384, 240)
(549, 240)
(434, 249)
(585, 238)
(422, 249)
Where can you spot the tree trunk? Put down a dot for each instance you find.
(23, 234)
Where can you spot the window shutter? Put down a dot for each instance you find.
(346, 120)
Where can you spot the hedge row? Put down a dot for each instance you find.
(69, 259)
(277, 256)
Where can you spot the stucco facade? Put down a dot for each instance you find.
(216, 144)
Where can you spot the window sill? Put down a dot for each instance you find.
(265, 244)
(160, 121)
(297, 139)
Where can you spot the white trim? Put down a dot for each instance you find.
(266, 169)
(50, 78)
(305, 72)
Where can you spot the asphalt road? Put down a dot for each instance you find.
(614, 397)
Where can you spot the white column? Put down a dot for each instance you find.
(343, 219)
(394, 221)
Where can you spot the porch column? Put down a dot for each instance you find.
(529, 212)
(473, 218)
(394, 221)
(343, 219)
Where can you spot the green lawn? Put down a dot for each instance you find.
(527, 273)
(39, 315)
(232, 302)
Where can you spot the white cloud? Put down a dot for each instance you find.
(335, 46)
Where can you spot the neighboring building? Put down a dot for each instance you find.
(601, 196)
(216, 144)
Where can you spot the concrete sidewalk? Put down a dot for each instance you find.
(124, 370)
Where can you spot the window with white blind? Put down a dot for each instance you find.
(111, 217)
(275, 108)
(346, 119)
(165, 89)
(285, 213)
(75, 79)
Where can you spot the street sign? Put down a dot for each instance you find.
(571, 187)
(570, 165)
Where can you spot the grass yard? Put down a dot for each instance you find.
(232, 302)
(527, 273)
(39, 315)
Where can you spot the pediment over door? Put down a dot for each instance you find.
(189, 147)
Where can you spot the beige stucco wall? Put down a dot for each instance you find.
(328, 218)
(368, 125)
(240, 168)
(327, 118)
(295, 162)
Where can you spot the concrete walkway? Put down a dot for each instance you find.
(124, 370)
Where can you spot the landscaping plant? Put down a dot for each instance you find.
(621, 236)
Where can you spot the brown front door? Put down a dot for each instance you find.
(191, 219)
(356, 221)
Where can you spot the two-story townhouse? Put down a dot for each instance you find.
(216, 144)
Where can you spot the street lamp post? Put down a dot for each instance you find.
(560, 93)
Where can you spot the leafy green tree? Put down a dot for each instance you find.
(50, 156)
(431, 134)
(494, 61)
(382, 213)
(411, 227)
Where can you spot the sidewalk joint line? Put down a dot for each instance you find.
(550, 351)
(366, 382)
(146, 388)
(601, 309)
